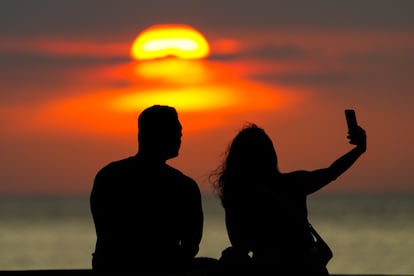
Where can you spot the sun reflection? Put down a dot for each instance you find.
(176, 71)
(184, 99)
(206, 94)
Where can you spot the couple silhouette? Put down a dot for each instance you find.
(149, 215)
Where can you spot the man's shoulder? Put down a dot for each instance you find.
(298, 174)
(116, 165)
(180, 175)
(177, 172)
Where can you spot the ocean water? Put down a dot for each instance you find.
(368, 234)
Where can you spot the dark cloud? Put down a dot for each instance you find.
(266, 52)
(35, 59)
(32, 78)
(398, 60)
(100, 17)
(311, 78)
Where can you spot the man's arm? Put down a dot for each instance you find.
(193, 222)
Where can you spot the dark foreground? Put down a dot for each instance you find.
(75, 272)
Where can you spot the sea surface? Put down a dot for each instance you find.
(368, 234)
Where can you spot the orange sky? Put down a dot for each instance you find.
(69, 103)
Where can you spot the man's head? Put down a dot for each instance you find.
(159, 132)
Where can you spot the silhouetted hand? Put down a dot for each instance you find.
(358, 137)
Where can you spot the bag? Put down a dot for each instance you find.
(320, 251)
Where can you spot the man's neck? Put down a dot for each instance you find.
(150, 157)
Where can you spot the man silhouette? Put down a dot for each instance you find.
(146, 213)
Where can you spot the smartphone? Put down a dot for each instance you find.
(351, 120)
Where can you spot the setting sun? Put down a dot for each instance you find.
(164, 40)
(207, 93)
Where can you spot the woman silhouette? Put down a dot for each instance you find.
(265, 209)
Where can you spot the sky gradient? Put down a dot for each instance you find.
(70, 93)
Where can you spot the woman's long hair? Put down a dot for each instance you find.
(250, 161)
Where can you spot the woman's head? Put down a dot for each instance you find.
(250, 158)
(251, 150)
